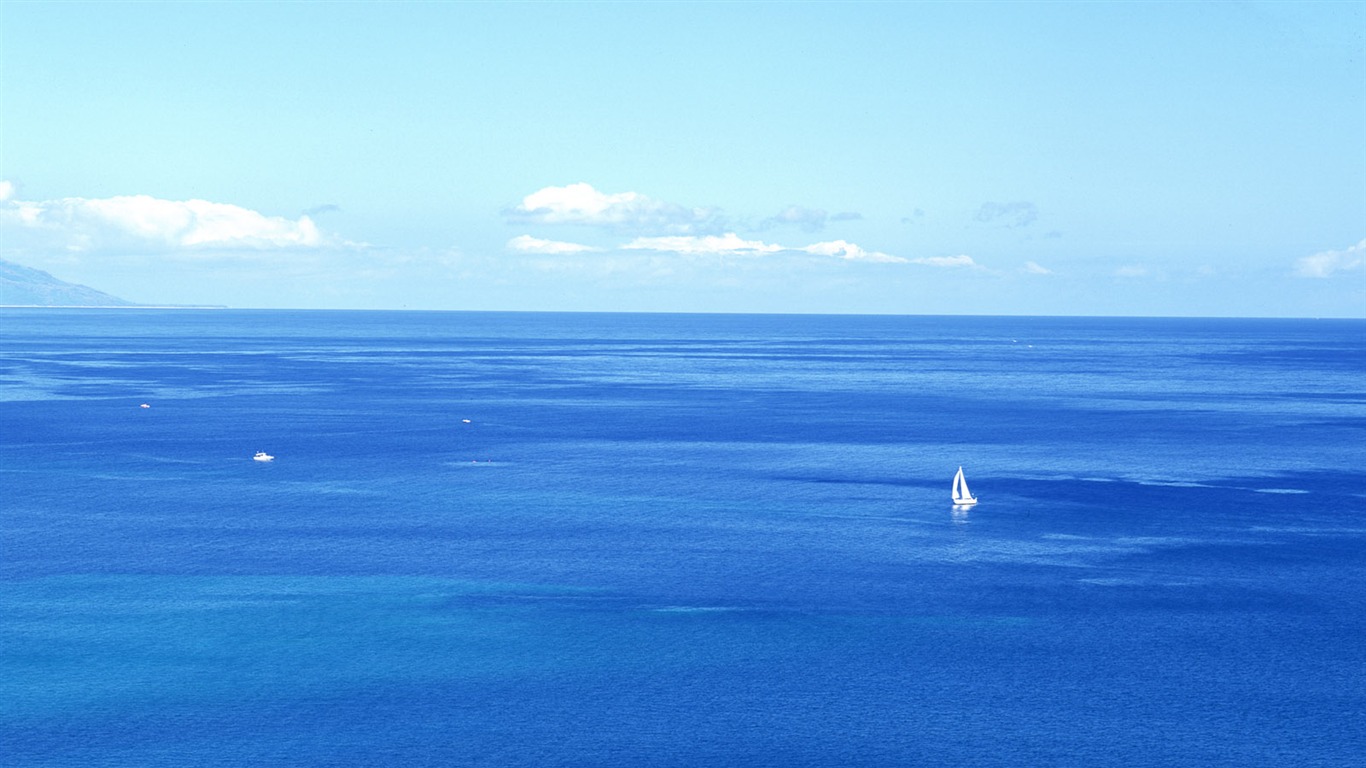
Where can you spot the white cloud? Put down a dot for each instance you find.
(142, 222)
(6, 190)
(1132, 270)
(731, 244)
(529, 244)
(728, 244)
(582, 204)
(949, 262)
(851, 252)
(1034, 268)
(1326, 263)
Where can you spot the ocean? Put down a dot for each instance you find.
(503, 539)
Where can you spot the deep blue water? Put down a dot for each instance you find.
(679, 540)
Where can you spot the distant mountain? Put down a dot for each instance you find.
(23, 286)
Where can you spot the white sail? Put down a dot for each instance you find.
(961, 494)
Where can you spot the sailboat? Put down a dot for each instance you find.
(962, 497)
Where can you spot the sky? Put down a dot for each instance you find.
(1062, 158)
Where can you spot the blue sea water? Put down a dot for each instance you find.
(679, 540)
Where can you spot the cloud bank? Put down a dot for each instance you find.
(731, 244)
(809, 219)
(581, 204)
(1328, 263)
(529, 244)
(851, 252)
(961, 261)
(668, 228)
(79, 224)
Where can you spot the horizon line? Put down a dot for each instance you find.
(223, 307)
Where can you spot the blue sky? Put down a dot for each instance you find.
(980, 158)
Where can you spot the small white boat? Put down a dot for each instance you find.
(962, 497)
(144, 405)
(263, 456)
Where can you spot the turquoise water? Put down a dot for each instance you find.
(522, 539)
